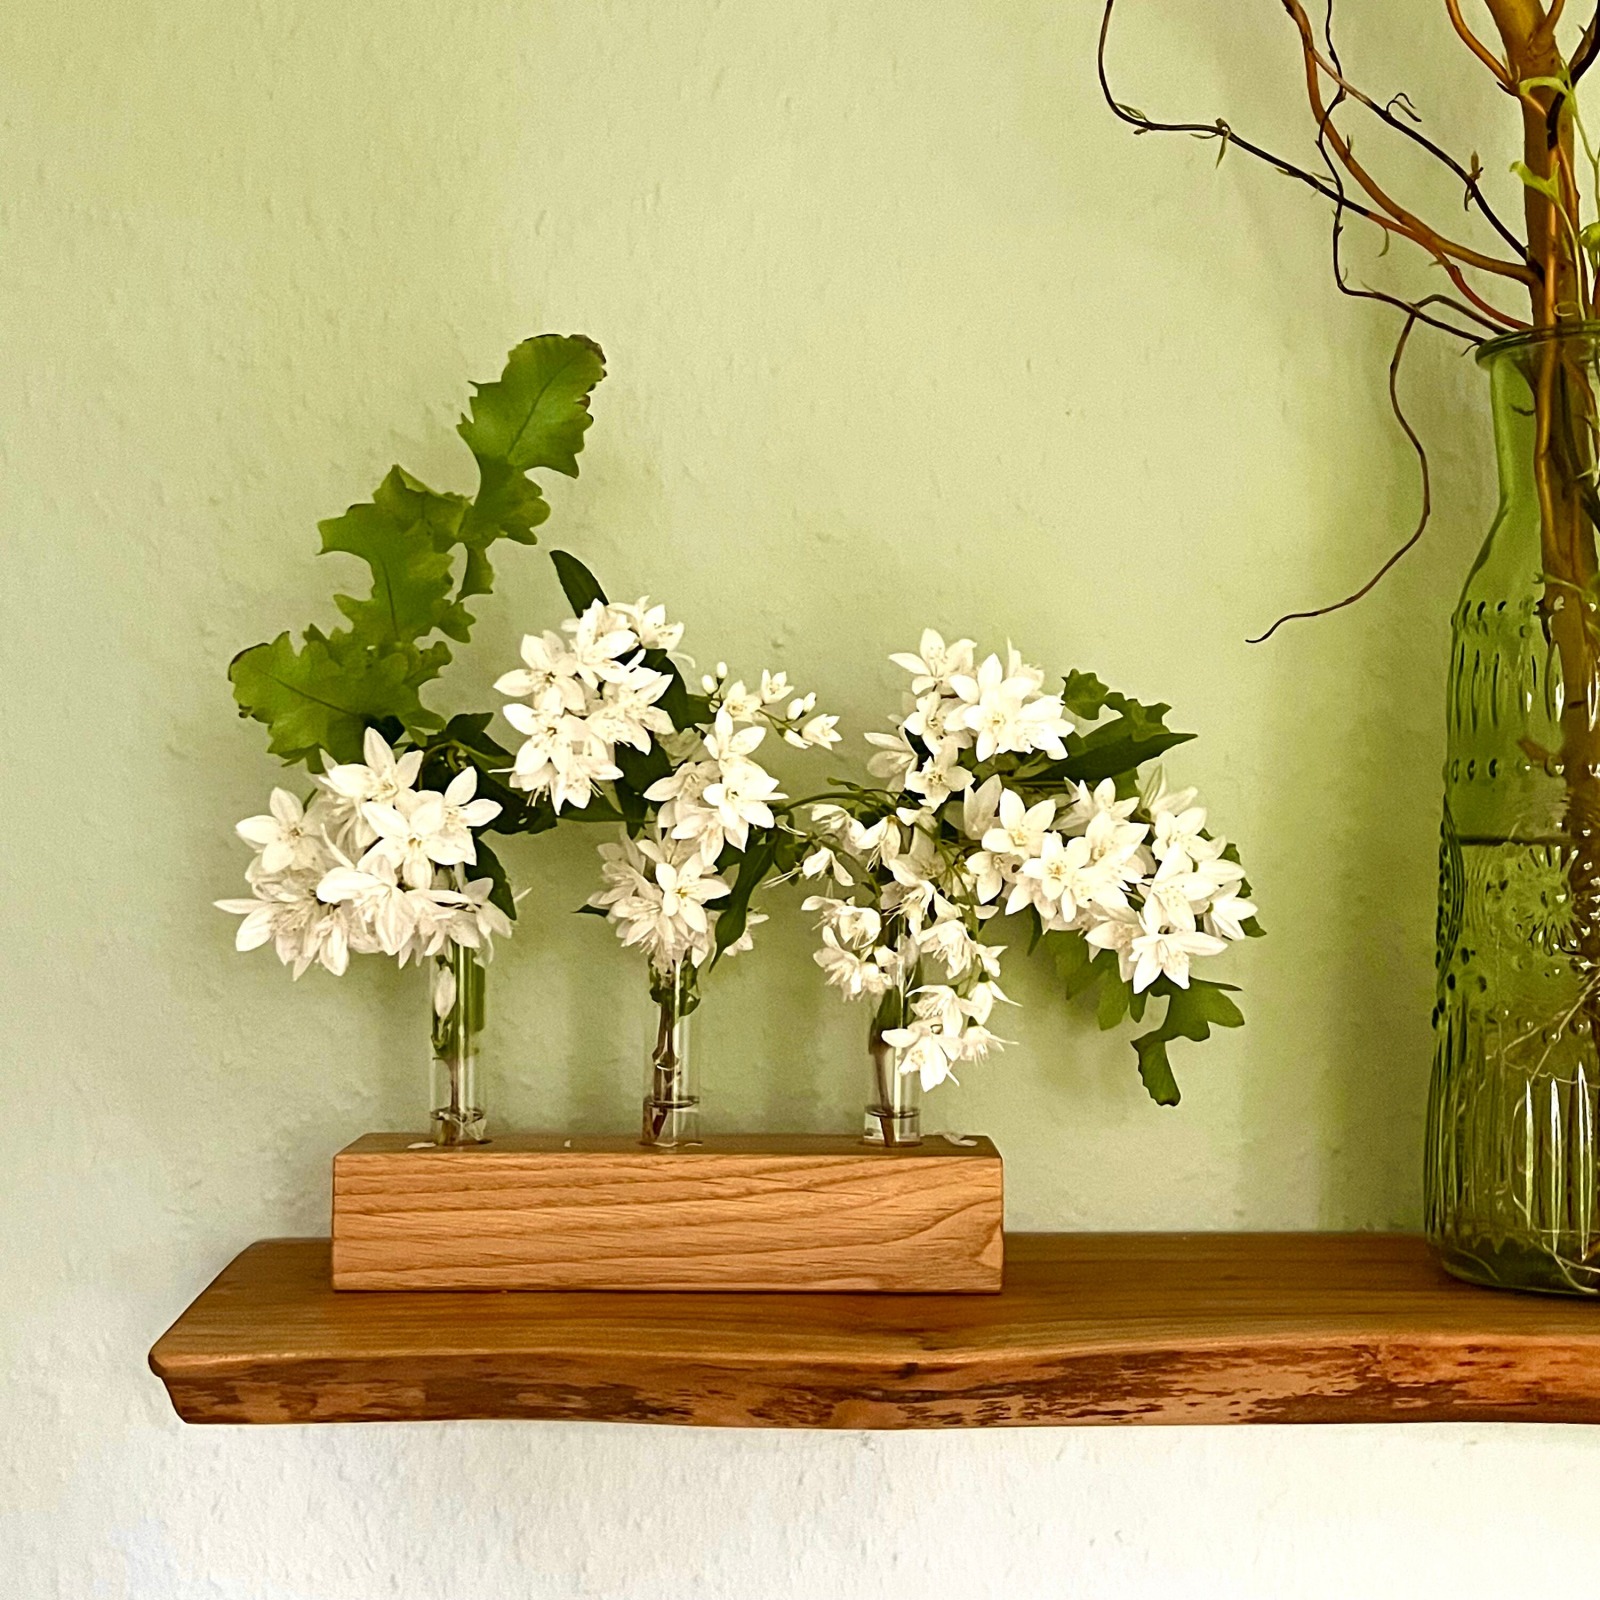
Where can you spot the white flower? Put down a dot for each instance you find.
(1159, 952)
(930, 722)
(935, 663)
(740, 703)
(1180, 833)
(444, 989)
(823, 861)
(1087, 804)
(1019, 828)
(628, 713)
(739, 798)
(820, 732)
(855, 925)
(775, 686)
(938, 779)
(382, 779)
(414, 834)
(846, 970)
(926, 1051)
(462, 813)
(990, 873)
(302, 929)
(599, 641)
(1226, 916)
(980, 1002)
(1062, 879)
(549, 676)
(980, 807)
(1116, 930)
(1001, 706)
(1174, 895)
(1118, 847)
(286, 835)
(374, 891)
(649, 624)
(896, 758)
(939, 1004)
(949, 940)
(657, 899)
(473, 919)
(726, 744)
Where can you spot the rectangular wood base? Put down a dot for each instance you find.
(755, 1212)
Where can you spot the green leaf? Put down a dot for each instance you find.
(1084, 695)
(536, 414)
(1078, 963)
(734, 911)
(404, 534)
(488, 866)
(1113, 1007)
(578, 583)
(1191, 1014)
(1545, 186)
(1111, 751)
(1155, 1071)
(478, 575)
(322, 696)
(507, 505)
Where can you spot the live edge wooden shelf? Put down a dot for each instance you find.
(1090, 1328)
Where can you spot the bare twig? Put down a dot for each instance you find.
(1384, 212)
(1469, 179)
(1443, 249)
(1427, 494)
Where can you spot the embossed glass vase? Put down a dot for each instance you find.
(1512, 1161)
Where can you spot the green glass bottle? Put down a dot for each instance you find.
(1512, 1160)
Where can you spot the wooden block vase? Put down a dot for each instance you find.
(757, 1212)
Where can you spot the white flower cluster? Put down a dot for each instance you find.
(959, 712)
(658, 887)
(593, 691)
(902, 907)
(586, 695)
(372, 865)
(1137, 875)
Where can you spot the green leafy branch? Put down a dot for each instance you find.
(321, 694)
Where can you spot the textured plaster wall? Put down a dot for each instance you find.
(902, 329)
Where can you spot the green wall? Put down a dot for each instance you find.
(902, 329)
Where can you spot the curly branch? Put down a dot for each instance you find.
(1385, 113)
(1403, 226)
(1435, 243)
(1479, 48)
(1427, 495)
(1216, 130)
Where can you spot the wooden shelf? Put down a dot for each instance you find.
(1090, 1328)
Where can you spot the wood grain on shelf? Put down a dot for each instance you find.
(1090, 1328)
(760, 1212)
